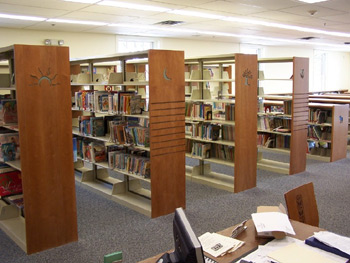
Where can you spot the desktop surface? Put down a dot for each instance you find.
(302, 231)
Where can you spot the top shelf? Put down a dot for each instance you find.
(209, 80)
(141, 83)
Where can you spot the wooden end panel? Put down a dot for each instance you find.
(167, 106)
(339, 132)
(298, 148)
(300, 76)
(298, 144)
(166, 76)
(168, 112)
(246, 122)
(168, 183)
(45, 121)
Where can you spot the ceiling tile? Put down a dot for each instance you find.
(267, 4)
(339, 18)
(279, 16)
(61, 27)
(30, 11)
(305, 9)
(192, 3)
(341, 5)
(52, 4)
(234, 8)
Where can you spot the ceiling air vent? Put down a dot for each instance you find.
(169, 23)
(308, 38)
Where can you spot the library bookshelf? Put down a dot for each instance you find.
(328, 131)
(341, 98)
(237, 148)
(40, 83)
(164, 190)
(288, 113)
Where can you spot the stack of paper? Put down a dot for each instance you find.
(331, 242)
(218, 245)
(268, 222)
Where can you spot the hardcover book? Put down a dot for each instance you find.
(8, 111)
(10, 183)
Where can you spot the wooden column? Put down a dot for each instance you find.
(339, 131)
(245, 122)
(300, 113)
(167, 130)
(44, 117)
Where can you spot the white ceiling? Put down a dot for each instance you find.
(332, 15)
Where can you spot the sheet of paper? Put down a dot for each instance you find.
(272, 221)
(217, 245)
(260, 255)
(334, 240)
(296, 253)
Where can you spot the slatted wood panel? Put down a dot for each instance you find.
(44, 113)
(167, 130)
(339, 131)
(300, 111)
(246, 122)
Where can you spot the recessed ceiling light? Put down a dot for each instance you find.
(134, 6)
(312, 1)
(80, 22)
(28, 18)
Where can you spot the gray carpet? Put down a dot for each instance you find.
(106, 227)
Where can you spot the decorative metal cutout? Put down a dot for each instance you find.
(165, 75)
(247, 74)
(300, 206)
(45, 77)
(341, 119)
(302, 74)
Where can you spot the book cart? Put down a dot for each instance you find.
(282, 120)
(162, 190)
(328, 131)
(223, 129)
(38, 78)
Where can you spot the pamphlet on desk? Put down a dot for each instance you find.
(218, 245)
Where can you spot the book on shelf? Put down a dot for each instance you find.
(9, 143)
(223, 152)
(97, 126)
(75, 149)
(10, 183)
(230, 112)
(8, 111)
(135, 104)
(16, 200)
(98, 152)
(4, 168)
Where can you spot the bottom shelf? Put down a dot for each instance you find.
(136, 197)
(210, 178)
(13, 224)
(318, 157)
(273, 166)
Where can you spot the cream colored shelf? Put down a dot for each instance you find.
(141, 83)
(320, 124)
(148, 180)
(8, 88)
(318, 140)
(273, 166)
(134, 202)
(13, 127)
(211, 160)
(209, 80)
(15, 164)
(274, 150)
(228, 143)
(195, 120)
(274, 132)
(216, 180)
(275, 114)
(318, 157)
(16, 230)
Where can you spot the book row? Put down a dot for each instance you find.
(111, 102)
(319, 133)
(272, 123)
(218, 111)
(207, 150)
(273, 141)
(320, 116)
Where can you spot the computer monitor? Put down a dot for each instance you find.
(187, 246)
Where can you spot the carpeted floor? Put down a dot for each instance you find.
(106, 227)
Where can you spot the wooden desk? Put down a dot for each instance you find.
(302, 231)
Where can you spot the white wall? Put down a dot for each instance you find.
(90, 44)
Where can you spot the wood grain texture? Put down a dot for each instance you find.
(167, 131)
(301, 204)
(298, 141)
(44, 113)
(246, 122)
(339, 132)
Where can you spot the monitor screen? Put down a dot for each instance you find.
(187, 246)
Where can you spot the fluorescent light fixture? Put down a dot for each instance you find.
(134, 6)
(312, 1)
(80, 22)
(195, 14)
(19, 17)
(83, 1)
(225, 34)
